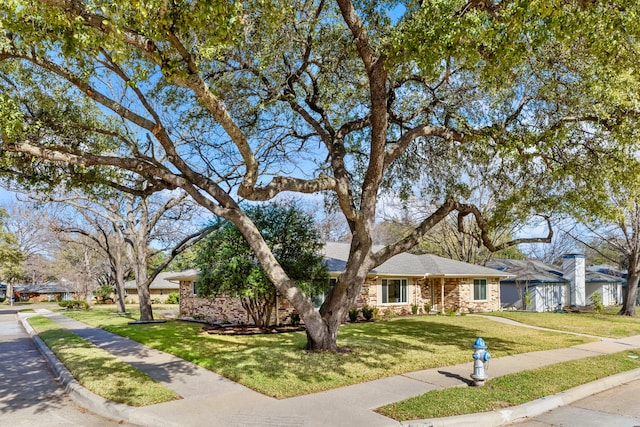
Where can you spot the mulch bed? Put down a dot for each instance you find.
(249, 329)
(144, 322)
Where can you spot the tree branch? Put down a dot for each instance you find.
(485, 239)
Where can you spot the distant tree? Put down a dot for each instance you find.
(228, 265)
(611, 215)
(453, 239)
(30, 223)
(185, 260)
(562, 243)
(599, 250)
(124, 229)
(77, 261)
(79, 215)
(11, 256)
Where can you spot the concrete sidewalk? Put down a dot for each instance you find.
(209, 399)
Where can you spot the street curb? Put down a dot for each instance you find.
(82, 396)
(530, 409)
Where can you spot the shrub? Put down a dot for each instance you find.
(353, 315)
(427, 308)
(295, 319)
(596, 300)
(451, 310)
(2, 299)
(527, 299)
(414, 309)
(74, 305)
(388, 314)
(173, 298)
(367, 312)
(103, 294)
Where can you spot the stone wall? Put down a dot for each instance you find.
(225, 309)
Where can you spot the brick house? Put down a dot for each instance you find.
(400, 283)
(57, 291)
(159, 289)
(407, 279)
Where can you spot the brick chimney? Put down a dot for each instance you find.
(573, 270)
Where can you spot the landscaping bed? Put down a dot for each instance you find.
(250, 329)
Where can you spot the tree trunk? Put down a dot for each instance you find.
(137, 241)
(323, 334)
(118, 271)
(631, 293)
(146, 312)
(120, 296)
(142, 285)
(323, 338)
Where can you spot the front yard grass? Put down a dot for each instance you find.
(99, 371)
(602, 325)
(512, 389)
(277, 365)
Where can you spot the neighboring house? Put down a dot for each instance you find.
(551, 287)
(62, 290)
(614, 271)
(3, 292)
(400, 283)
(159, 290)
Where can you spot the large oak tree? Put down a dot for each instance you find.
(247, 100)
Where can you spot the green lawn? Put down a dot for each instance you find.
(602, 325)
(99, 371)
(278, 366)
(513, 389)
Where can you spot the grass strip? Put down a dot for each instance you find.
(513, 389)
(99, 371)
(277, 365)
(606, 324)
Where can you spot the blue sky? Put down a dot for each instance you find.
(6, 197)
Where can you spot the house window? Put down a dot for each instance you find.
(194, 289)
(479, 289)
(394, 291)
(319, 298)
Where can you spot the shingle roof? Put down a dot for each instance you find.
(532, 271)
(406, 264)
(47, 288)
(176, 276)
(160, 282)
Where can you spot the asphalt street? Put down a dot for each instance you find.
(617, 407)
